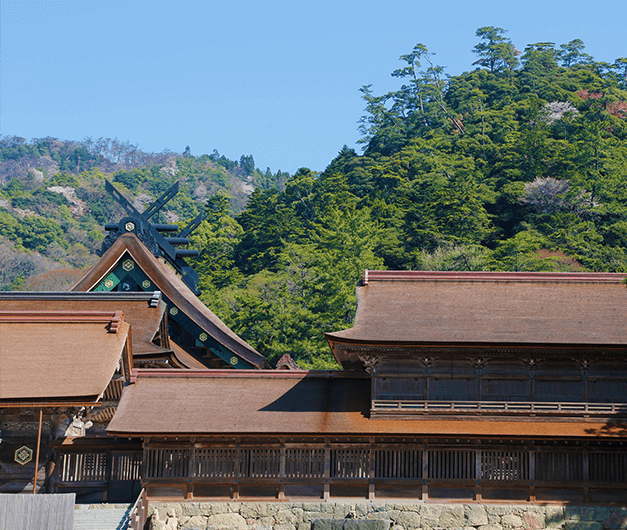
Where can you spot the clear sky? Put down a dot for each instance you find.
(276, 79)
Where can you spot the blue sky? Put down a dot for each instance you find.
(279, 80)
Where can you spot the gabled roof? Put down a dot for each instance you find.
(283, 402)
(487, 309)
(182, 302)
(60, 357)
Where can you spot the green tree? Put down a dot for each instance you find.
(496, 53)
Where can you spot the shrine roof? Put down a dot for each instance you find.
(59, 357)
(167, 281)
(143, 311)
(283, 402)
(487, 308)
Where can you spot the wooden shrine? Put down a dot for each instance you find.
(481, 387)
(138, 256)
(56, 369)
(141, 290)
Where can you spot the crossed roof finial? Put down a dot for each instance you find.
(151, 234)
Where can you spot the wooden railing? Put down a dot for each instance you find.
(374, 469)
(139, 512)
(381, 407)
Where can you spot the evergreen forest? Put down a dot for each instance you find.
(518, 164)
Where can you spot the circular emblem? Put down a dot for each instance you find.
(174, 310)
(129, 226)
(128, 265)
(145, 284)
(109, 284)
(23, 455)
(203, 337)
(233, 360)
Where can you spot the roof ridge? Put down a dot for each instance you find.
(493, 276)
(145, 373)
(115, 318)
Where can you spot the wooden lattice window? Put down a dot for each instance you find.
(608, 467)
(505, 465)
(306, 463)
(556, 465)
(171, 462)
(399, 388)
(211, 463)
(259, 463)
(350, 463)
(83, 467)
(559, 391)
(398, 463)
(446, 464)
(505, 389)
(452, 389)
(126, 467)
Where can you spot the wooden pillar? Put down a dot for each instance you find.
(327, 471)
(371, 470)
(586, 472)
(108, 470)
(41, 414)
(532, 474)
(282, 457)
(425, 473)
(478, 474)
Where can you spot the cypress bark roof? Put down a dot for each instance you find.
(142, 311)
(59, 356)
(283, 402)
(424, 308)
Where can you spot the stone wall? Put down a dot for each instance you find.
(407, 516)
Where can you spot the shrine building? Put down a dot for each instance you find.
(455, 386)
(477, 386)
(65, 358)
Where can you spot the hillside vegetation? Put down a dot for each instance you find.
(519, 164)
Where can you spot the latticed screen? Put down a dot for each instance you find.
(257, 463)
(350, 463)
(556, 391)
(453, 389)
(446, 464)
(83, 467)
(398, 464)
(607, 391)
(505, 465)
(396, 388)
(167, 462)
(213, 463)
(505, 390)
(556, 465)
(608, 467)
(126, 467)
(304, 463)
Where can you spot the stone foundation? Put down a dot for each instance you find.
(406, 516)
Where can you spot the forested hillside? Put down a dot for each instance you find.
(53, 204)
(517, 164)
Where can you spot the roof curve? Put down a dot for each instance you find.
(167, 281)
(488, 308)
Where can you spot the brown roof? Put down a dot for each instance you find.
(143, 311)
(488, 308)
(59, 357)
(174, 288)
(277, 402)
